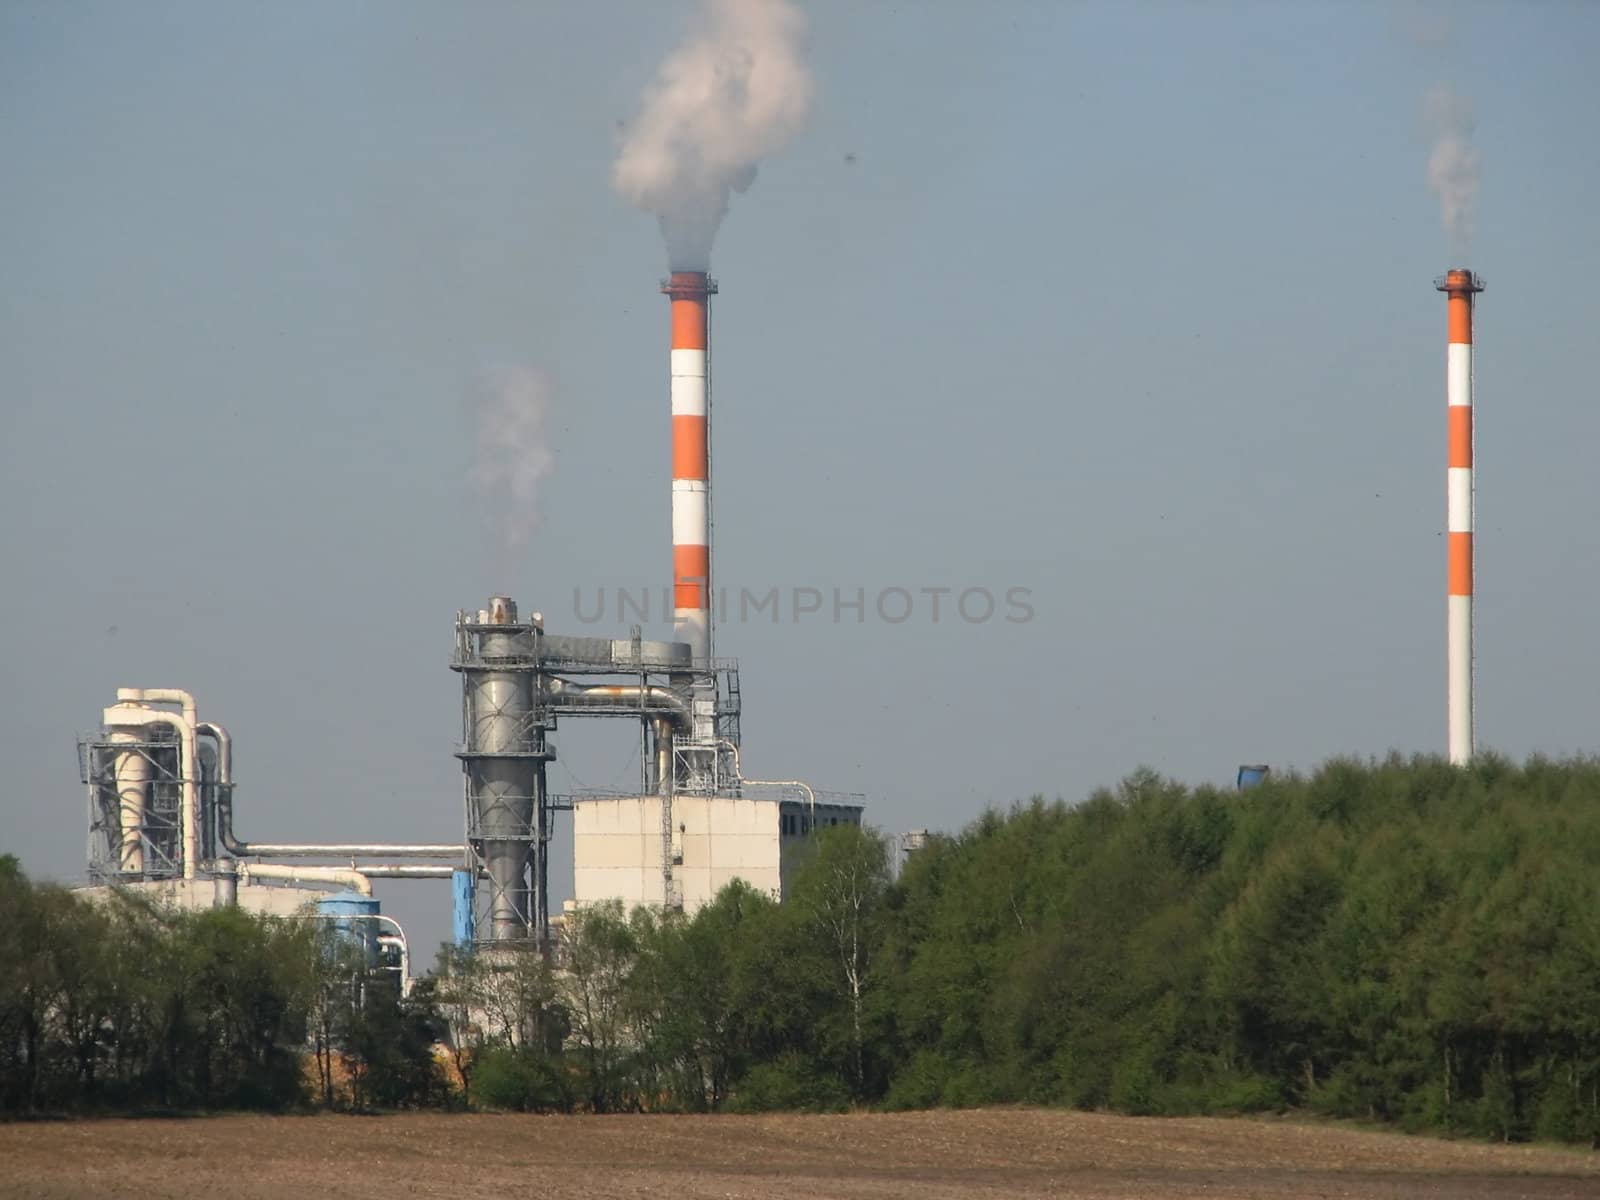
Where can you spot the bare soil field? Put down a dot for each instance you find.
(989, 1153)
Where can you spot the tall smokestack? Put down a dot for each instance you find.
(1459, 285)
(691, 292)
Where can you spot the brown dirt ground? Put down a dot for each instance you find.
(989, 1153)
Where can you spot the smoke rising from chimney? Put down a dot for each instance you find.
(736, 91)
(511, 415)
(1453, 161)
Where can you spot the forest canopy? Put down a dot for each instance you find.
(1401, 941)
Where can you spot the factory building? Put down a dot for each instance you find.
(712, 840)
(161, 789)
(160, 779)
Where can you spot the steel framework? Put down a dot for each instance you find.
(158, 829)
(517, 683)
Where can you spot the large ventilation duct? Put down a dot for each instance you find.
(628, 697)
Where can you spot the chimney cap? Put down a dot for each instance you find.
(1459, 279)
(689, 285)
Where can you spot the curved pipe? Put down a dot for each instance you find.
(811, 796)
(358, 875)
(219, 735)
(351, 850)
(127, 713)
(651, 699)
(162, 696)
(131, 771)
(319, 849)
(191, 775)
(222, 785)
(398, 935)
(191, 769)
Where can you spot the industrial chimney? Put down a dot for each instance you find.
(1459, 285)
(691, 461)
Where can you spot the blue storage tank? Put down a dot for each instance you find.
(1252, 776)
(353, 918)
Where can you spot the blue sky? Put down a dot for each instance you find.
(1129, 305)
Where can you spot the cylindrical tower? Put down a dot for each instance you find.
(691, 293)
(132, 774)
(504, 759)
(1459, 286)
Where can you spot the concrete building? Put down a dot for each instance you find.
(680, 851)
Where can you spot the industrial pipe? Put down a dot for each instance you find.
(404, 870)
(562, 691)
(219, 735)
(663, 731)
(162, 696)
(225, 876)
(293, 873)
(128, 714)
(398, 935)
(131, 771)
(222, 784)
(191, 771)
(811, 796)
(320, 849)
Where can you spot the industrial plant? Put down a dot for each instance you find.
(162, 802)
(161, 791)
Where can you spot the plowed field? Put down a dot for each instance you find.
(989, 1153)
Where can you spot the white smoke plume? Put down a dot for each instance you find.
(1453, 161)
(736, 91)
(511, 413)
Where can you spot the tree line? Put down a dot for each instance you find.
(1401, 941)
(123, 1006)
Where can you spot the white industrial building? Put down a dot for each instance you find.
(680, 851)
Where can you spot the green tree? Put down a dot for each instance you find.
(692, 1032)
(599, 949)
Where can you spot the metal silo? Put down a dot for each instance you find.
(503, 755)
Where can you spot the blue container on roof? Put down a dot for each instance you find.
(1252, 776)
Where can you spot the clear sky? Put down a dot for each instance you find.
(1130, 305)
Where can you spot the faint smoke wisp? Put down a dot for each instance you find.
(1453, 161)
(513, 457)
(736, 91)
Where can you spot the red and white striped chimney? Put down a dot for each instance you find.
(691, 460)
(1459, 285)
